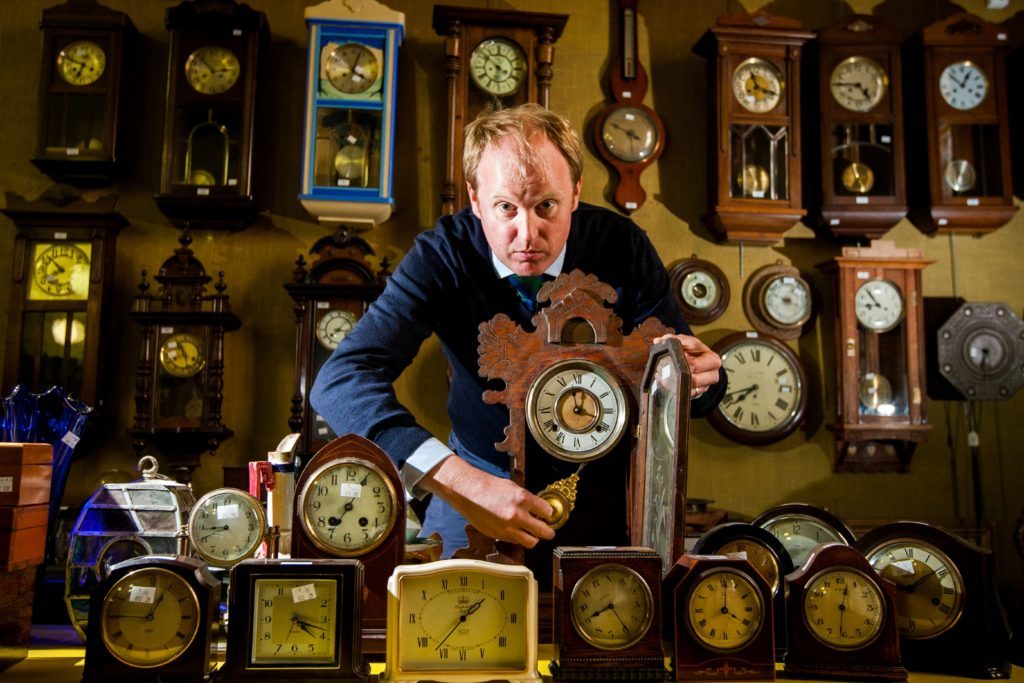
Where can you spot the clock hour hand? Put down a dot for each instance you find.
(305, 626)
(461, 620)
(629, 134)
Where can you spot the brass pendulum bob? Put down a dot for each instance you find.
(561, 496)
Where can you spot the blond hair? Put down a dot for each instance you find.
(519, 124)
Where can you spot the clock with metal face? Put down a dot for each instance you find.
(800, 527)
(629, 134)
(334, 326)
(757, 85)
(612, 607)
(498, 66)
(778, 301)
(462, 620)
(963, 85)
(981, 351)
(226, 526)
(767, 392)
(182, 355)
(81, 62)
(60, 271)
(212, 69)
(724, 610)
(351, 68)
(701, 290)
(858, 83)
(878, 305)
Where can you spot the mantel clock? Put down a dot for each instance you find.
(330, 296)
(960, 86)
(206, 179)
(63, 275)
(862, 185)
(492, 57)
(351, 84)
(880, 362)
(180, 371)
(753, 126)
(80, 92)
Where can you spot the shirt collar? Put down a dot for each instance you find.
(554, 270)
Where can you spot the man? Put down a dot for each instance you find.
(523, 168)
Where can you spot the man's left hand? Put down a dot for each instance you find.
(704, 363)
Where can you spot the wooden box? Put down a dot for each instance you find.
(25, 471)
(22, 536)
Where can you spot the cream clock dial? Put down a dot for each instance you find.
(212, 70)
(963, 85)
(629, 134)
(81, 62)
(226, 526)
(843, 608)
(858, 83)
(333, 327)
(612, 607)
(498, 66)
(724, 610)
(352, 68)
(787, 301)
(878, 305)
(757, 85)
(294, 621)
(800, 533)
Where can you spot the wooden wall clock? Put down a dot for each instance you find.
(180, 371)
(880, 364)
(349, 503)
(330, 296)
(779, 301)
(63, 272)
(754, 191)
(209, 118)
(492, 56)
(628, 135)
(948, 610)
(842, 619)
(862, 187)
(701, 290)
(80, 92)
(959, 90)
(718, 618)
(607, 614)
(351, 84)
(980, 351)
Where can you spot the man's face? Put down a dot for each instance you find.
(526, 213)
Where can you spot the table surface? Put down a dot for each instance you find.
(56, 655)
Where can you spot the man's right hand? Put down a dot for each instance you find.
(495, 506)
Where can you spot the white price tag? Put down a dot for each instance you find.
(351, 490)
(229, 511)
(632, 206)
(60, 235)
(757, 194)
(627, 95)
(323, 304)
(144, 594)
(166, 330)
(973, 201)
(6, 484)
(303, 593)
(202, 191)
(834, 221)
(70, 440)
(344, 182)
(863, 275)
(886, 139)
(863, 200)
(232, 182)
(71, 151)
(906, 566)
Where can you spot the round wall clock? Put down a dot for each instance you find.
(878, 305)
(226, 526)
(800, 527)
(767, 391)
(81, 62)
(181, 354)
(963, 85)
(777, 300)
(352, 68)
(981, 351)
(334, 326)
(212, 69)
(60, 271)
(701, 290)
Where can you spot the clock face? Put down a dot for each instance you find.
(226, 526)
(81, 62)
(182, 354)
(498, 66)
(612, 607)
(60, 271)
(787, 301)
(959, 175)
(878, 305)
(577, 410)
(149, 617)
(757, 85)
(843, 608)
(858, 83)
(462, 619)
(630, 134)
(929, 588)
(761, 558)
(963, 85)
(724, 610)
(352, 68)
(800, 533)
(765, 397)
(212, 69)
(700, 290)
(858, 178)
(347, 507)
(294, 621)
(333, 327)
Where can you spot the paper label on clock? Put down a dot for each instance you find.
(166, 330)
(6, 484)
(906, 566)
(344, 182)
(757, 194)
(834, 221)
(627, 95)
(863, 274)
(863, 200)
(71, 151)
(232, 182)
(973, 201)
(632, 206)
(742, 554)
(349, 490)
(229, 511)
(144, 594)
(60, 235)
(323, 431)
(202, 191)
(886, 139)
(70, 439)
(236, 32)
(943, 221)
(323, 304)
(303, 593)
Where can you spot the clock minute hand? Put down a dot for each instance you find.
(461, 620)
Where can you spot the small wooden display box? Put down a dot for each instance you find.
(25, 470)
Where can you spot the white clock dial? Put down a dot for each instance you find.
(757, 85)
(799, 534)
(878, 305)
(765, 393)
(963, 85)
(333, 327)
(700, 290)
(787, 301)
(858, 83)
(226, 526)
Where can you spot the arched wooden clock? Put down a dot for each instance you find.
(607, 614)
(80, 92)
(492, 56)
(628, 135)
(180, 371)
(801, 526)
(948, 610)
(842, 618)
(718, 619)
(63, 271)
(351, 84)
(349, 503)
(959, 81)
(209, 119)
(330, 296)
(862, 185)
(754, 152)
(980, 351)
(880, 364)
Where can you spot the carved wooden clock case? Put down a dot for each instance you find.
(492, 56)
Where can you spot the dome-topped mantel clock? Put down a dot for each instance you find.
(206, 179)
(180, 372)
(331, 294)
(491, 57)
(880, 360)
(861, 186)
(754, 191)
(80, 92)
(958, 76)
(351, 84)
(63, 271)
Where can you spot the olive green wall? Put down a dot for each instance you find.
(259, 260)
